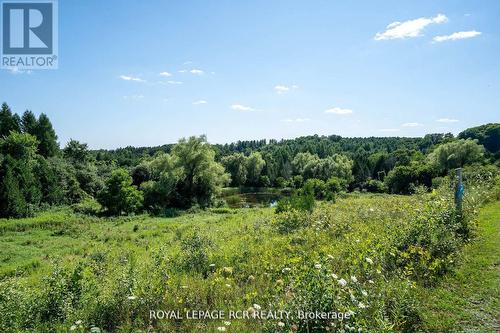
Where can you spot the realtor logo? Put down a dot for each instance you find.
(29, 34)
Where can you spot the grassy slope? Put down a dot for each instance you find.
(469, 301)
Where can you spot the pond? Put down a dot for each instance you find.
(252, 197)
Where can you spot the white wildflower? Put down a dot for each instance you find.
(281, 324)
(371, 282)
(227, 323)
(72, 328)
(368, 260)
(330, 256)
(354, 279)
(256, 307)
(361, 305)
(342, 282)
(317, 266)
(334, 276)
(364, 292)
(286, 269)
(132, 297)
(221, 329)
(78, 322)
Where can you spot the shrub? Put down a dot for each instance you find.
(290, 220)
(303, 202)
(87, 206)
(315, 187)
(120, 196)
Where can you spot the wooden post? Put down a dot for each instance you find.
(459, 190)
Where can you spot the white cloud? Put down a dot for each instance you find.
(133, 97)
(389, 130)
(411, 124)
(339, 111)
(239, 107)
(447, 120)
(296, 120)
(200, 102)
(131, 78)
(282, 89)
(166, 74)
(457, 36)
(410, 28)
(174, 82)
(196, 71)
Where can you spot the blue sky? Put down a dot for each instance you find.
(146, 73)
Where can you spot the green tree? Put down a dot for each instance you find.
(455, 154)
(120, 196)
(46, 136)
(76, 151)
(8, 121)
(29, 123)
(12, 201)
(202, 177)
(236, 165)
(254, 165)
(487, 135)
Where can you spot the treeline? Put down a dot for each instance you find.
(36, 173)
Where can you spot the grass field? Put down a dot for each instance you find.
(469, 300)
(370, 256)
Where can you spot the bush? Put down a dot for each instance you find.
(120, 196)
(87, 206)
(304, 202)
(315, 187)
(375, 186)
(291, 220)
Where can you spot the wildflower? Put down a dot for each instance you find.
(72, 328)
(371, 282)
(364, 292)
(221, 329)
(227, 323)
(372, 210)
(228, 285)
(354, 279)
(281, 324)
(286, 269)
(251, 278)
(368, 260)
(361, 305)
(211, 265)
(330, 256)
(334, 276)
(256, 307)
(317, 266)
(95, 329)
(342, 282)
(78, 322)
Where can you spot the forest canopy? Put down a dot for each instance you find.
(36, 173)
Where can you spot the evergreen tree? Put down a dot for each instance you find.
(8, 122)
(46, 136)
(29, 122)
(12, 202)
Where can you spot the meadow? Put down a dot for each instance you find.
(367, 257)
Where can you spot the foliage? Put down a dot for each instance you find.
(486, 135)
(120, 196)
(455, 154)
